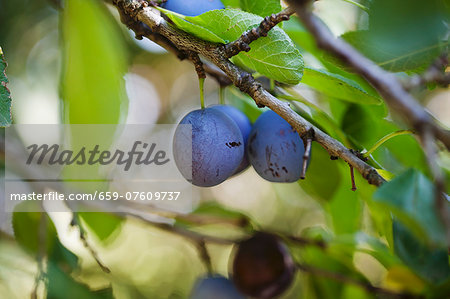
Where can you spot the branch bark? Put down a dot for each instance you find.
(216, 54)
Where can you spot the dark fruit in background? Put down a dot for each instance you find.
(192, 7)
(215, 287)
(262, 266)
(217, 147)
(275, 149)
(244, 125)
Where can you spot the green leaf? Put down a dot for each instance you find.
(357, 122)
(364, 243)
(316, 183)
(261, 8)
(64, 257)
(31, 229)
(337, 86)
(398, 60)
(61, 285)
(198, 31)
(335, 262)
(345, 207)
(431, 264)
(103, 225)
(410, 197)
(274, 56)
(95, 62)
(403, 35)
(5, 96)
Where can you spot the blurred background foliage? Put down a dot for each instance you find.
(74, 62)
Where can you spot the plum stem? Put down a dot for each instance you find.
(201, 83)
(222, 95)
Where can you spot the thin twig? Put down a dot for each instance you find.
(83, 238)
(434, 74)
(244, 41)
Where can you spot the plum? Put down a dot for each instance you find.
(192, 7)
(217, 147)
(275, 149)
(215, 287)
(262, 266)
(244, 125)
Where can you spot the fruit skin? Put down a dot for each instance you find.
(192, 7)
(244, 125)
(215, 287)
(275, 149)
(262, 266)
(217, 147)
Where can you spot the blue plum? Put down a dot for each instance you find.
(244, 125)
(217, 147)
(192, 7)
(275, 149)
(215, 287)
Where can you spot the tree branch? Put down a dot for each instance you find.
(215, 53)
(243, 42)
(434, 74)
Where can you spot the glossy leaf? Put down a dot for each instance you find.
(410, 197)
(403, 35)
(189, 27)
(402, 279)
(102, 224)
(429, 263)
(34, 231)
(345, 208)
(414, 59)
(95, 62)
(274, 56)
(316, 184)
(61, 285)
(261, 8)
(5, 96)
(337, 86)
